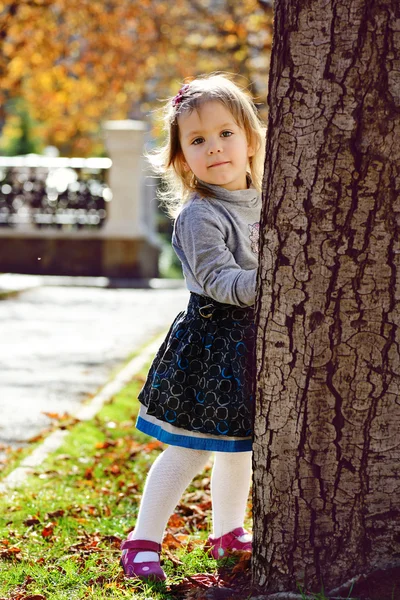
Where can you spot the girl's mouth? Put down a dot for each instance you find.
(218, 164)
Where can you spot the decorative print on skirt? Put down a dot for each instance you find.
(201, 378)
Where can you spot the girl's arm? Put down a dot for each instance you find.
(199, 242)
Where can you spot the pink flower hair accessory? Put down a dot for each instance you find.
(176, 100)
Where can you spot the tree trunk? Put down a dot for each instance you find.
(327, 431)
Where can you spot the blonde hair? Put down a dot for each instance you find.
(168, 161)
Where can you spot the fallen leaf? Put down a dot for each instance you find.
(13, 552)
(32, 521)
(89, 545)
(99, 580)
(244, 562)
(105, 444)
(205, 505)
(182, 537)
(53, 415)
(113, 539)
(88, 473)
(176, 521)
(56, 513)
(92, 510)
(36, 438)
(203, 581)
(114, 469)
(192, 545)
(48, 530)
(153, 446)
(171, 542)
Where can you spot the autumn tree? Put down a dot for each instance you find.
(78, 62)
(327, 432)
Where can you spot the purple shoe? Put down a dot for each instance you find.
(143, 570)
(219, 547)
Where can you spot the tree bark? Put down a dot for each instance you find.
(327, 423)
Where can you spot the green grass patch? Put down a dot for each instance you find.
(13, 457)
(60, 533)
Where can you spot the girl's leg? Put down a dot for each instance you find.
(230, 485)
(168, 478)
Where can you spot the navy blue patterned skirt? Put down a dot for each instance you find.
(201, 379)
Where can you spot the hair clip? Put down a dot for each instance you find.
(179, 97)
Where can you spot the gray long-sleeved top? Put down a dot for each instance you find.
(216, 239)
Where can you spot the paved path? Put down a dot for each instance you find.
(59, 344)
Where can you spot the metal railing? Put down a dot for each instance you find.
(47, 192)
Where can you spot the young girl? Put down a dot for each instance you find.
(198, 394)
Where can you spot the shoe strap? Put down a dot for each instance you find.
(228, 538)
(141, 545)
(238, 532)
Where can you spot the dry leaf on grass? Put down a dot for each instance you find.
(243, 564)
(171, 542)
(176, 522)
(11, 553)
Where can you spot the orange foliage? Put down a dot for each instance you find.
(80, 62)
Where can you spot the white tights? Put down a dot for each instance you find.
(171, 474)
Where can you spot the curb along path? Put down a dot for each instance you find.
(84, 413)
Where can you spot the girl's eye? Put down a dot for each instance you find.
(226, 133)
(198, 141)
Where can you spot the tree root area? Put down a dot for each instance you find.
(380, 585)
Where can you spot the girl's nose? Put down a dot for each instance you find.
(214, 147)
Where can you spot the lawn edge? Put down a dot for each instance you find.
(86, 412)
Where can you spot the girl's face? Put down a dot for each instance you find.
(214, 147)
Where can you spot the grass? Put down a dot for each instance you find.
(13, 457)
(60, 533)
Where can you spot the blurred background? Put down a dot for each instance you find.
(80, 80)
(87, 272)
